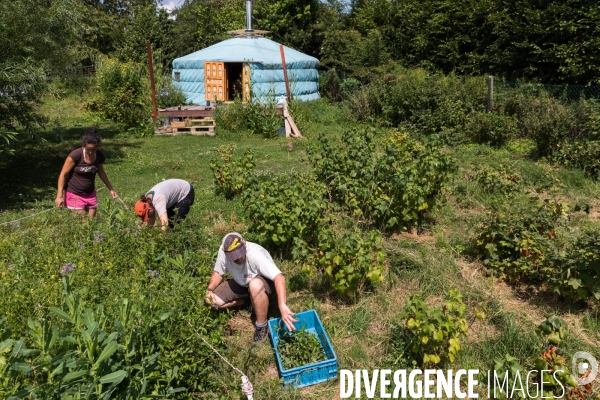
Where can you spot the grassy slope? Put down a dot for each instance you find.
(429, 263)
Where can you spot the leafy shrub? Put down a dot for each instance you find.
(232, 176)
(394, 189)
(260, 119)
(555, 330)
(86, 356)
(230, 117)
(110, 258)
(434, 333)
(285, 208)
(491, 128)
(167, 94)
(501, 180)
(520, 247)
(123, 93)
(351, 258)
(299, 348)
(329, 84)
(581, 154)
(507, 367)
(543, 119)
(578, 272)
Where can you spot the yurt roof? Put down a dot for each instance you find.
(246, 49)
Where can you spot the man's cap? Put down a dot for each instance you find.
(141, 210)
(234, 247)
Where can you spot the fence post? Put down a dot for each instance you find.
(490, 96)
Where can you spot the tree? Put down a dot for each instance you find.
(36, 37)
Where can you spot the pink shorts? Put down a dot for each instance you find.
(81, 201)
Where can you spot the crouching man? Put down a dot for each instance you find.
(255, 277)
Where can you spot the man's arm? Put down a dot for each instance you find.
(286, 314)
(214, 281)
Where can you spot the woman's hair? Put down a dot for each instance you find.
(145, 199)
(91, 137)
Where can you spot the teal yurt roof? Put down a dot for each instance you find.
(266, 76)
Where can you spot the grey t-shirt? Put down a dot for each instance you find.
(168, 193)
(258, 262)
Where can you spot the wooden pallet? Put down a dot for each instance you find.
(195, 130)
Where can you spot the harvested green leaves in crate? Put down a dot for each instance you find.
(298, 348)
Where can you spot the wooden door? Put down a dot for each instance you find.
(246, 83)
(215, 81)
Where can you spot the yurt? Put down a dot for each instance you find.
(249, 65)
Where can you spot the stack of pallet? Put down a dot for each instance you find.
(199, 126)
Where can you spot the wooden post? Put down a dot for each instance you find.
(287, 83)
(154, 110)
(490, 96)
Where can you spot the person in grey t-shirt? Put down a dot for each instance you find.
(162, 199)
(255, 277)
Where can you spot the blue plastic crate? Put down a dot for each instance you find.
(308, 374)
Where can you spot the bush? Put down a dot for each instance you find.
(232, 176)
(393, 189)
(167, 93)
(581, 154)
(578, 272)
(501, 180)
(123, 93)
(433, 334)
(107, 261)
(541, 118)
(260, 119)
(285, 208)
(350, 258)
(491, 128)
(520, 247)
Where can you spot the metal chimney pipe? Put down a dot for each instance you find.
(249, 16)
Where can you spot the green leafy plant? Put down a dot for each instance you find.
(285, 208)
(123, 93)
(507, 367)
(232, 176)
(434, 333)
(351, 257)
(497, 180)
(582, 154)
(298, 348)
(394, 189)
(555, 330)
(520, 247)
(84, 357)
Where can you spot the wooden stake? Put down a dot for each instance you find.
(154, 110)
(490, 98)
(285, 76)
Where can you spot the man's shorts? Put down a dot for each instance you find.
(230, 290)
(81, 201)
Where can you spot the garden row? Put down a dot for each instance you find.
(331, 219)
(130, 302)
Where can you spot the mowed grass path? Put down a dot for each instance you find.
(360, 329)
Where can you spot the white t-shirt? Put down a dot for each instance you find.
(258, 262)
(168, 193)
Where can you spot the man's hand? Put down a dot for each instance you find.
(287, 317)
(208, 299)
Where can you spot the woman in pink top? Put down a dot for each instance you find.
(78, 175)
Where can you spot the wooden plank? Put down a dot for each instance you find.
(187, 113)
(288, 128)
(294, 127)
